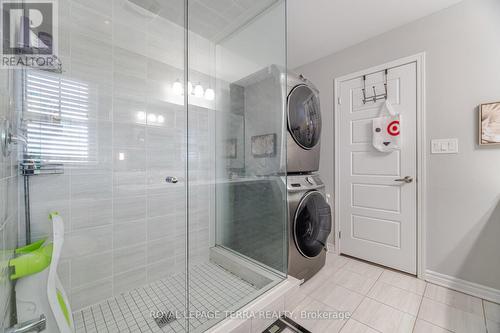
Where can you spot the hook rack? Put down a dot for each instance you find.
(375, 97)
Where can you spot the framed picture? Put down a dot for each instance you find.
(489, 124)
(264, 145)
(231, 149)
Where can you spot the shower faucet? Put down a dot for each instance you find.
(7, 138)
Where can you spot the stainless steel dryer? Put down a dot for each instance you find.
(304, 125)
(310, 224)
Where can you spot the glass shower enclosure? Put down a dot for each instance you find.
(157, 138)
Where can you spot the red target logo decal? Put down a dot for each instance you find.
(393, 128)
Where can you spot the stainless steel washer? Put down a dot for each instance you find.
(310, 224)
(304, 125)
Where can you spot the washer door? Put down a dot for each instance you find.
(312, 224)
(304, 116)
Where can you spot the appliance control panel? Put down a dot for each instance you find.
(304, 182)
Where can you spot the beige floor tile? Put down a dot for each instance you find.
(335, 261)
(353, 281)
(338, 297)
(293, 298)
(403, 281)
(353, 326)
(383, 318)
(396, 297)
(492, 311)
(493, 326)
(450, 318)
(365, 269)
(455, 299)
(317, 281)
(422, 326)
(307, 314)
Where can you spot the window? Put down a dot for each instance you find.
(57, 119)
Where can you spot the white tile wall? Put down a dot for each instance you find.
(125, 226)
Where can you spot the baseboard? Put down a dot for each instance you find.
(463, 286)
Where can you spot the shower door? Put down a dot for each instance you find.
(106, 131)
(143, 141)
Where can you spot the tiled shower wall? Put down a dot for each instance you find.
(8, 209)
(125, 226)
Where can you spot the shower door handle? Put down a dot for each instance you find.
(172, 180)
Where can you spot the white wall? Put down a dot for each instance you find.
(463, 70)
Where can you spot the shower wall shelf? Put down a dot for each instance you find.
(35, 169)
(32, 168)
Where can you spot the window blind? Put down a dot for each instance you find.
(57, 110)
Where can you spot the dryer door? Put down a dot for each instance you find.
(304, 116)
(312, 224)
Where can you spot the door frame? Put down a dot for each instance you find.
(421, 180)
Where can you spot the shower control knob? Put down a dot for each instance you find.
(172, 180)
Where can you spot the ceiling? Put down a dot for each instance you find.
(317, 28)
(211, 19)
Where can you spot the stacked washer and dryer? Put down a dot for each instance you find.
(309, 212)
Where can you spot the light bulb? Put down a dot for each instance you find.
(210, 94)
(198, 90)
(141, 115)
(190, 88)
(161, 119)
(151, 118)
(177, 88)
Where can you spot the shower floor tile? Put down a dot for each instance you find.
(212, 288)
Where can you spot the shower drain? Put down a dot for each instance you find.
(165, 318)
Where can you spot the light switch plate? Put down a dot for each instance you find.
(444, 146)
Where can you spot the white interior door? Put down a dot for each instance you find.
(377, 210)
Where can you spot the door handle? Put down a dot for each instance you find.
(407, 180)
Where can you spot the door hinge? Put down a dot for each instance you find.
(339, 101)
(340, 234)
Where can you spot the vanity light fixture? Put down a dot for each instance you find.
(177, 88)
(198, 90)
(210, 94)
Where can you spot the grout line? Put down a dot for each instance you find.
(359, 322)
(484, 315)
(419, 306)
(433, 324)
(365, 297)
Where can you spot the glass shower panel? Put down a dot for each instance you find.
(106, 133)
(251, 149)
(236, 154)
